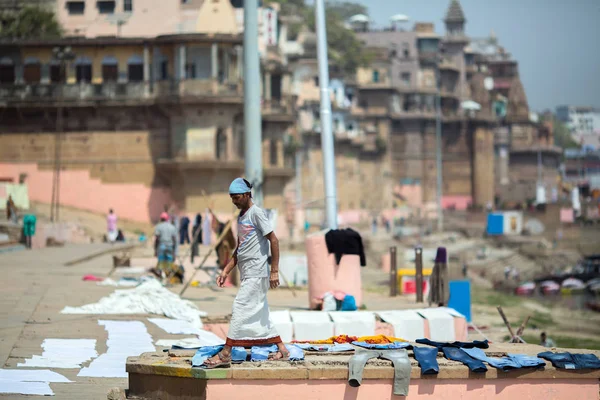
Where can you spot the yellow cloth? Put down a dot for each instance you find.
(380, 339)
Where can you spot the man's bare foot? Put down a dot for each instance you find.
(279, 356)
(219, 360)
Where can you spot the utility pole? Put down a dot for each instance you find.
(326, 131)
(438, 147)
(62, 55)
(252, 116)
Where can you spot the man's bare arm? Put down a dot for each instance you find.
(231, 264)
(274, 251)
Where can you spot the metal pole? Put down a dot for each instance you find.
(438, 149)
(419, 273)
(326, 131)
(393, 272)
(252, 116)
(58, 161)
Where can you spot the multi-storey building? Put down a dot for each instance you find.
(146, 121)
(583, 123)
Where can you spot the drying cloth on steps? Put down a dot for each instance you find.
(457, 354)
(386, 346)
(345, 241)
(399, 359)
(481, 344)
(427, 359)
(571, 360)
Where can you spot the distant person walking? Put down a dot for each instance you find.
(111, 226)
(165, 243)
(29, 221)
(184, 230)
(11, 210)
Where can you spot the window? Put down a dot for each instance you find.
(106, 7)
(128, 5)
(375, 76)
(405, 77)
(7, 70)
(221, 145)
(273, 153)
(164, 70)
(316, 78)
(190, 71)
(83, 73)
(32, 72)
(57, 74)
(76, 7)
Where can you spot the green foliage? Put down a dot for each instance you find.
(345, 50)
(29, 23)
(562, 136)
(567, 342)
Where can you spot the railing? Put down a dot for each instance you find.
(30, 92)
(277, 106)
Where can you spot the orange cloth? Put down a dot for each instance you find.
(377, 339)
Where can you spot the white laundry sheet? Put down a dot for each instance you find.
(125, 339)
(130, 270)
(175, 326)
(63, 353)
(120, 283)
(407, 324)
(204, 339)
(148, 298)
(353, 323)
(283, 324)
(32, 382)
(441, 324)
(312, 325)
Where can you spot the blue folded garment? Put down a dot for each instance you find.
(204, 353)
(261, 353)
(304, 346)
(505, 363)
(296, 353)
(387, 346)
(238, 355)
(341, 347)
(527, 361)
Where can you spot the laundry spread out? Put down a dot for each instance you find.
(30, 382)
(125, 339)
(148, 298)
(331, 340)
(63, 353)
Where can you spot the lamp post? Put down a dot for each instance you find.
(438, 146)
(62, 54)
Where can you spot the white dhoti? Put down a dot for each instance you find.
(250, 322)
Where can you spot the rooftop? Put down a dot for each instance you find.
(455, 12)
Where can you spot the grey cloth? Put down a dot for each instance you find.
(399, 359)
(253, 247)
(167, 234)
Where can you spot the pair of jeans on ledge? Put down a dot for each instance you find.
(512, 361)
(458, 354)
(398, 357)
(427, 359)
(571, 361)
(481, 344)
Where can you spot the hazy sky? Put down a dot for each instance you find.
(556, 42)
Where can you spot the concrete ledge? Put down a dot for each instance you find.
(318, 366)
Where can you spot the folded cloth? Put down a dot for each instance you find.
(504, 363)
(238, 355)
(324, 347)
(204, 353)
(296, 353)
(458, 354)
(261, 353)
(379, 339)
(427, 359)
(481, 344)
(340, 347)
(571, 360)
(386, 346)
(527, 361)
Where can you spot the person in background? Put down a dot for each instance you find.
(165, 243)
(111, 226)
(11, 210)
(29, 221)
(546, 341)
(184, 230)
(374, 226)
(196, 237)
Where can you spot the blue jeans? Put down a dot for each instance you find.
(427, 359)
(458, 354)
(505, 364)
(261, 353)
(387, 346)
(571, 361)
(463, 345)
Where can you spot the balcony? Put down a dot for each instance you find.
(83, 94)
(278, 110)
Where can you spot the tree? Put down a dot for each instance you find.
(29, 23)
(562, 135)
(345, 50)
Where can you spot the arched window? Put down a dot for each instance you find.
(221, 144)
(83, 69)
(110, 69)
(7, 70)
(32, 70)
(135, 68)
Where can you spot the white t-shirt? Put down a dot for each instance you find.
(253, 247)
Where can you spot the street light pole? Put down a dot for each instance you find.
(252, 116)
(326, 131)
(438, 148)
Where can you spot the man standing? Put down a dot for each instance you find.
(165, 243)
(250, 322)
(546, 341)
(184, 230)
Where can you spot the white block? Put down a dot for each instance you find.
(312, 325)
(353, 323)
(408, 324)
(441, 324)
(283, 324)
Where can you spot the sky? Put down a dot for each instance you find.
(556, 42)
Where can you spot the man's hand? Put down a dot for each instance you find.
(274, 279)
(221, 279)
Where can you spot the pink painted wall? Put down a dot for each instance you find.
(134, 202)
(325, 275)
(381, 389)
(459, 202)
